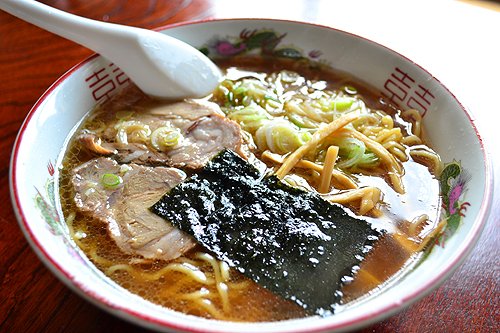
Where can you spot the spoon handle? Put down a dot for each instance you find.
(160, 65)
(95, 35)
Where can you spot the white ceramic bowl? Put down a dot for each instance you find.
(37, 154)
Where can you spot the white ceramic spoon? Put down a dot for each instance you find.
(159, 65)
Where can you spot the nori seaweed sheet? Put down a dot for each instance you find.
(288, 240)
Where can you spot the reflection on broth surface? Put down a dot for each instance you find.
(316, 129)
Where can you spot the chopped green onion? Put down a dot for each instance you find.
(342, 103)
(165, 138)
(246, 101)
(227, 84)
(274, 104)
(353, 153)
(285, 139)
(280, 136)
(250, 118)
(230, 97)
(305, 136)
(240, 90)
(132, 130)
(368, 158)
(111, 181)
(350, 90)
(351, 150)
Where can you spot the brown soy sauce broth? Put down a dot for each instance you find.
(253, 303)
(395, 253)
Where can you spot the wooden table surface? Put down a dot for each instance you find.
(457, 41)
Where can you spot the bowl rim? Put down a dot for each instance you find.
(129, 314)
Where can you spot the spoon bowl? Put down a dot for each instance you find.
(161, 66)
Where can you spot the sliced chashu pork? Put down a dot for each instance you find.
(205, 132)
(125, 207)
